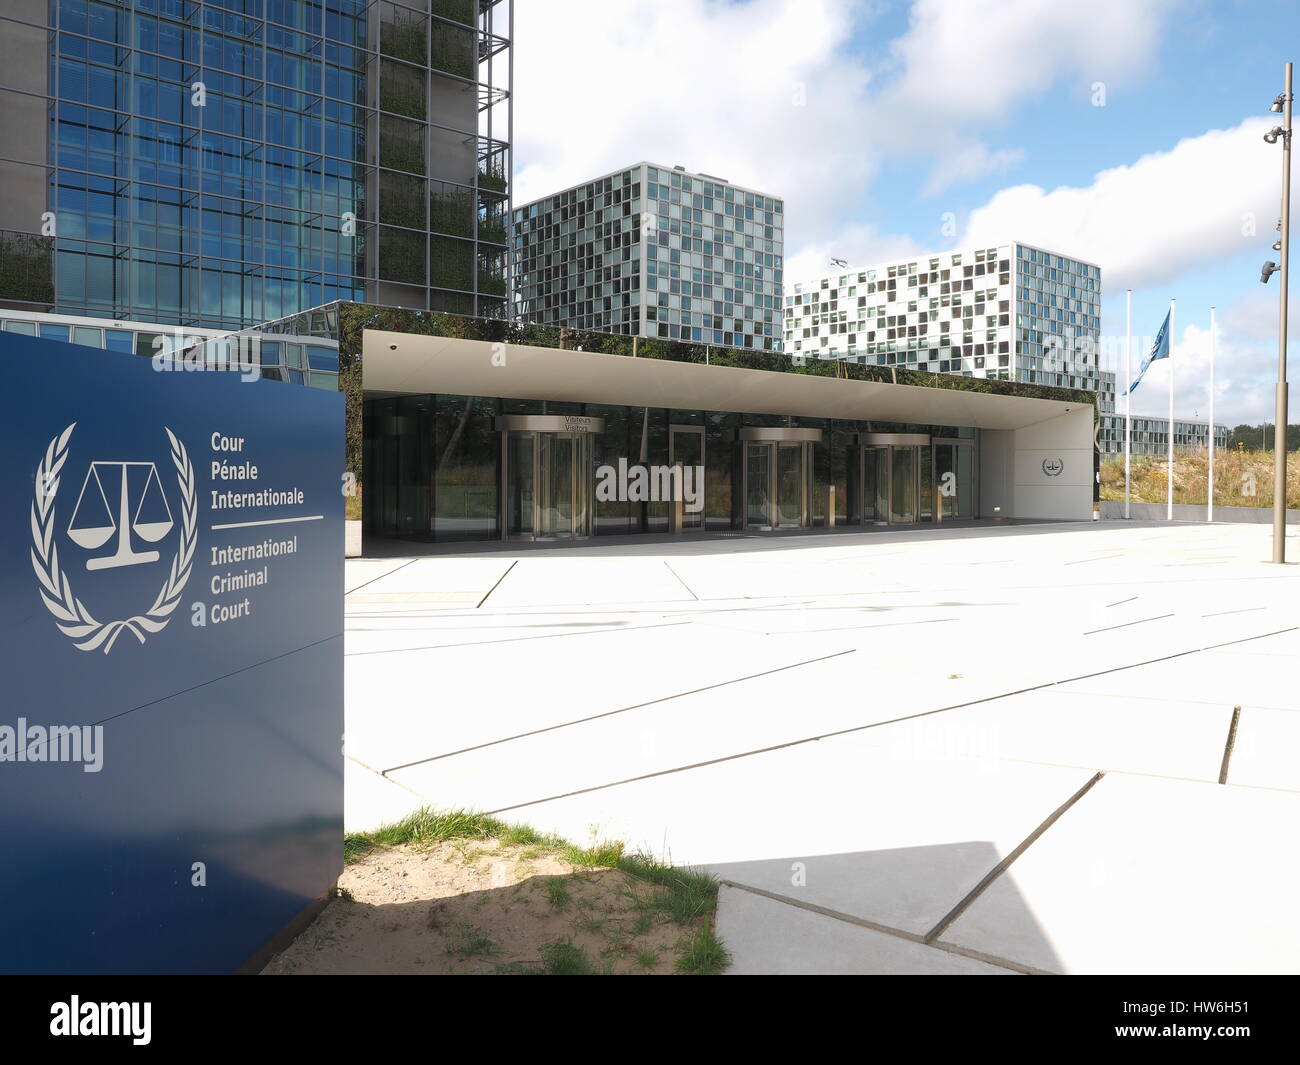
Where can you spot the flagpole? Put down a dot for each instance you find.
(1169, 488)
(1209, 505)
(1128, 398)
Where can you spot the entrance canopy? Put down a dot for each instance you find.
(409, 364)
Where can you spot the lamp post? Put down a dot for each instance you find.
(1281, 105)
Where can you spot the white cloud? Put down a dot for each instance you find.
(967, 163)
(771, 93)
(975, 59)
(861, 245)
(759, 93)
(1154, 219)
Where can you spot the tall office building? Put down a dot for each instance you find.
(221, 163)
(1011, 313)
(653, 251)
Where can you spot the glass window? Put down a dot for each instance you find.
(88, 336)
(54, 332)
(121, 340)
(147, 344)
(26, 328)
(320, 358)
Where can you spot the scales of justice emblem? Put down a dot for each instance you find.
(94, 522)
(118, 498)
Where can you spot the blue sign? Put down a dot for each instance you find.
(171, 570)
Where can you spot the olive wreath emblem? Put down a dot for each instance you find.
(71, 615)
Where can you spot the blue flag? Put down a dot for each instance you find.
(1159, 350)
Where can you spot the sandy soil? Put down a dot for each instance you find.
(478, 907)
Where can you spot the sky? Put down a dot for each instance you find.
(1128, 133)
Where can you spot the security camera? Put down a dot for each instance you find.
(1272, 135)
(1277, 104)
(1267, 271)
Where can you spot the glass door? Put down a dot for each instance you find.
(954, 479)
(550, 485)
(926, 505)
(521, 473)
(875, 484)
(902, 485)
(758, 475)
(686, 449)
(555, 485)
(789, 486)
(945, 481)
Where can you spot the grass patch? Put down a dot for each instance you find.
(604, 855)
(424, 828)
(690, 894)
(561, 958)
(468, 942)
(1241, 478)
(704, 955)
(557, 894)
(686, 897)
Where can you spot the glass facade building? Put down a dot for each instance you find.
(452, 468)
(595, 434)
(1010, 313)
(219, 163)
(653, 251)
(1150, 435)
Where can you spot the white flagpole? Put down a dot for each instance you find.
(1209, 505)
(1169, 489)
(1128, 398)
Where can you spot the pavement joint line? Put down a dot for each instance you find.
(1243, 610)
(1121, 602)
(947, 920)
(875, 724)
(386, 573)
(1096, 558)
(1045, 589)
(511, 639)
(621, 709)
(825, 911)
(850, 628)
(680, 581)
(497, 584)
(991, 959)
(1126, 624)
(1230, 744)
(873, 926)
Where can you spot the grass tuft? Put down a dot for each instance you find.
(469, 942)
(704, 955)
(426, 827)
(566, 958)
(690, 894)
(557, 894)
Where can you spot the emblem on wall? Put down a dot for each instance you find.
(1053, 467)
(121, 508)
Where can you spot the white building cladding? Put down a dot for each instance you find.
(654, 251)
(1012, 312)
